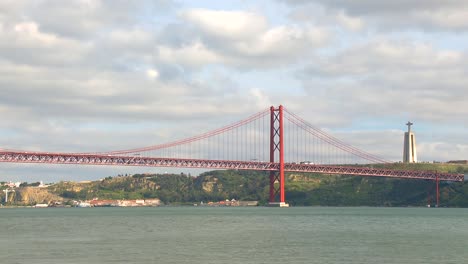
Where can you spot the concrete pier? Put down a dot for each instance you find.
(280, 204)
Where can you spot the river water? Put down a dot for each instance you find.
(233, 235)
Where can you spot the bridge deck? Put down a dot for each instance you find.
(116, 160)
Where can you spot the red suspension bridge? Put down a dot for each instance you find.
(274, 140)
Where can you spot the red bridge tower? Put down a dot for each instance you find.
(277, 149)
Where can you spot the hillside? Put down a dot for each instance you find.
(30, 196)
(170, 188)
(374, 191)
(301, 189)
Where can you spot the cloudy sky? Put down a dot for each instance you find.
(84, 75)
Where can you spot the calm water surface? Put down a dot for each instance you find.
(233, 235)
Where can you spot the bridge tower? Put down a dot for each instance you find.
(277, 149)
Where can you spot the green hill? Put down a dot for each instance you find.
(301, 188)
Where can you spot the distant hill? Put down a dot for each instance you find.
(302, 189)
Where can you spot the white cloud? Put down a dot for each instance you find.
(29, 31)
(241, 39)
(318, 14)
(349, 22)
(152, 74)
(89, 19)
(385, 78)
(131, 39)
(385, 55)
(282, 41)
(442, 151)
(193, 55)
(234, 25)
(259, 98)
(391, 15)
(25, 43)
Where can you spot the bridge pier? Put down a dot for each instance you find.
(278, 204)
(437, 190)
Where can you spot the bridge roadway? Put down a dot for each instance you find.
(116, 160)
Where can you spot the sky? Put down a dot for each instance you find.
(84, 75)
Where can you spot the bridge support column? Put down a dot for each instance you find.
(437, 190)
(277, 146)
(272, 154)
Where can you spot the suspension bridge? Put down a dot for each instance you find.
(274, 140)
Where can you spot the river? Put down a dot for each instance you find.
(234, 235)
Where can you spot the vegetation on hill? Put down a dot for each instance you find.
(170, 188)
(301, 188)
(332, 190)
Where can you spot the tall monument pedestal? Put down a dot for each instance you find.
(409, 146)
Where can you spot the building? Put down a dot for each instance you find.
(12, 184)
(409, 146)
(458, 162)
